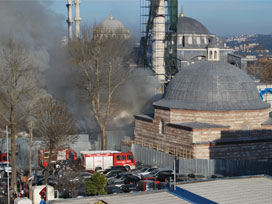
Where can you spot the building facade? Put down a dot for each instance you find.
(210, 110)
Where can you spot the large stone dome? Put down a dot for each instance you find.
(214, 86)
(188, 25)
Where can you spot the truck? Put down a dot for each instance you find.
(91, 160)
(59, 155)
(4, 158)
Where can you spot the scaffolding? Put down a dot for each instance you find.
(151, 14)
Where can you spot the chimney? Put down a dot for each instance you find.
(77, 18)
(70, 19)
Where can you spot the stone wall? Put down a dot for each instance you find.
(261, 151)
(252, 119)
(174, 140)
(208, 143)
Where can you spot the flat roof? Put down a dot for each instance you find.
(234, 190)
(158, 197)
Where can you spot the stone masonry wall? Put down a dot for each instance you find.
(243, 151)
(235, 119)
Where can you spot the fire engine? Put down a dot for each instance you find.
(60, 155)
(3, 158)
(90, 160)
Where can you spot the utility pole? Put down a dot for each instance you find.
(30, 159)
(7, 163)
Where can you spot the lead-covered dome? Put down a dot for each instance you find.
(188, 25)
(111, 24)
(211, 85)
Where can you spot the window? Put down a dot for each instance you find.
(162, 127)
(211, 55)
(124, 158)
(130, 157)
(198, 40)
(180, 40)
(118, 157)
(190, 40)
(215, 54)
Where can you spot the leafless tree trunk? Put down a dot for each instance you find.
(56, 125)
(102, 64)
(30, 158)
(18, 82)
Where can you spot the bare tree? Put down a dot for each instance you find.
(18, 85)
(262, 71)
(56, 126)
(102, 62)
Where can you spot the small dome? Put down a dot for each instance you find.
(188, 25)
(214, 86)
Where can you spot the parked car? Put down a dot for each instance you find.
(123, 168)
(3, 187)
(82, 177)
(124, 178)
(113, 173)
(129, 187)
(146, 171)
(112, 189)
(146, 185)
(159, 175)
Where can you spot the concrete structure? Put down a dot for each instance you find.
(110, 28)
(158, 45)
(210, 110)
(69, 20)
(77, 18)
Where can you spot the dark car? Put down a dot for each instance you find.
(123, 168)
(164, 176)
(3, 187)
(130, 187)
(113, 189)
(82, 177)
(113, 173)
(146, 185)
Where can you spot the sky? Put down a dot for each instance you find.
(221, 17)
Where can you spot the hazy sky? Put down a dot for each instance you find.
(222, 17)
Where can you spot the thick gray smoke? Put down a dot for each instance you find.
(33, 23)
(42, 31)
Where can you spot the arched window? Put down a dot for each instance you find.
(215, 55)
(183, 41)
(162, 127)
(211, 55)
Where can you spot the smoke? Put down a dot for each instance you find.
(42, 30)
(36, 26)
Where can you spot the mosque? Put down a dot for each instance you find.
(211, 109)
(111, 27)
(195, 42)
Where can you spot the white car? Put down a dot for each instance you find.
(8, 169)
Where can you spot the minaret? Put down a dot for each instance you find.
(77, 18)
(70, 19)
(158, 45)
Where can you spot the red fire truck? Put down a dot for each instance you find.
(4, 158)
(104, 159)
(60, 155)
